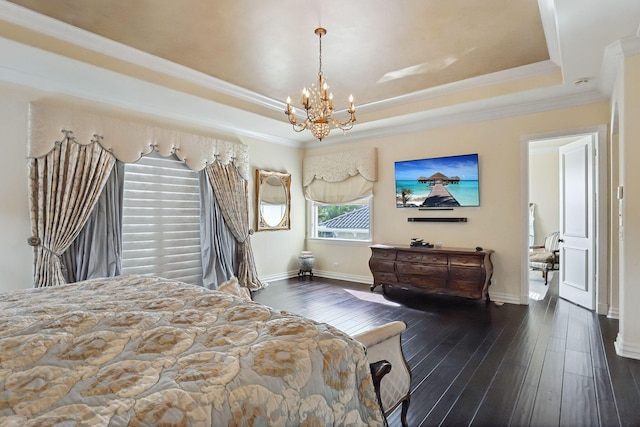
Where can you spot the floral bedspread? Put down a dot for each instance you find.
(145, 351)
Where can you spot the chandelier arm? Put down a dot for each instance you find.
(300, 126)
(347, 125)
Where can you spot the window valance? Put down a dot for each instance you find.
(340, 177)
(127, 139)
(337, 167)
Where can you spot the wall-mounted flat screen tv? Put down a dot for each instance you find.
(438, 182)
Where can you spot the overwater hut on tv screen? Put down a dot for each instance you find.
(438, 182)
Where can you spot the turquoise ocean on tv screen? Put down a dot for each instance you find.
(466, 192)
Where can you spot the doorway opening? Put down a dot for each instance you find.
(563, 171)
(544, 210)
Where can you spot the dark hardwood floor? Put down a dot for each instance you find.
(550, 363)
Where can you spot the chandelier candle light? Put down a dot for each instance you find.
(318, 104)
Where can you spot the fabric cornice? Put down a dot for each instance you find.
(338, 167)
(128, 140)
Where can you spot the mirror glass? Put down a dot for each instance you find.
(273, 194)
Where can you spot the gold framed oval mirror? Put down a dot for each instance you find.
(273, 190)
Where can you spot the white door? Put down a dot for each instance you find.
(577, 231)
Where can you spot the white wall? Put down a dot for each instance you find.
(501, 221)
(614, 228)
(15, 255)
(276, 252)
(625, 97)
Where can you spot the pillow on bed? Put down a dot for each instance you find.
(232, 287)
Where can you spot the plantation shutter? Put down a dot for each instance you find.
(161, 219)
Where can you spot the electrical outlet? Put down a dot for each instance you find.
(336, 264)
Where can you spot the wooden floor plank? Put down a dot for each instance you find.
(578, 406)
(546, 409)
(440, 380)
(578, 329)
(526, 398)
(464, 410)
(511, 374)
(454, 391)
(607, 409)
(579, 363)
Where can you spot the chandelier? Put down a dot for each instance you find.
(318, 104)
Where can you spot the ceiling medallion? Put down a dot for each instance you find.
(318, 104)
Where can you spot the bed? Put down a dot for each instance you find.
(142, 351)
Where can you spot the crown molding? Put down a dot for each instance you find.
(499, 77)
(612, 59)
(548, 16)
(61, 76)
(497, 108)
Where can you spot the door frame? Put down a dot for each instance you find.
(601, 213)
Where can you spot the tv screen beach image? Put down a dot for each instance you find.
(438, 182)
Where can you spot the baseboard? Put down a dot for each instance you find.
(613, 313)
(632, 351)
(341, 276)
(603, 308)
(505, 298)
(279, 276)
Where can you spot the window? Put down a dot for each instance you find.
(161, 219)
(350, 221)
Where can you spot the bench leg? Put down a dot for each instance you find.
(378, 371)
(405, 409)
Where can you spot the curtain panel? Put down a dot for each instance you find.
(233, 197)
(97, 251)
(64, 187)
(340, 177)
(219, 250)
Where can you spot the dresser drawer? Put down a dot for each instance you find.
(424, 258)
(469, 274)
(466, 260)
(385, 278)
(440, 271)
(380, 253)
(466, 289)
(376, 265)
(429, 283)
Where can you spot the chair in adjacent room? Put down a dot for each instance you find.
(393, 387)
(546, 257)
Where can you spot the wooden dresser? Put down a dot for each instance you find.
(448, 271)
